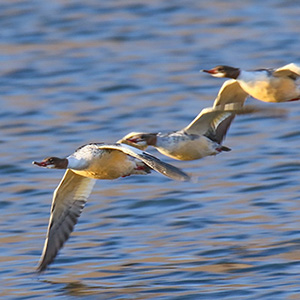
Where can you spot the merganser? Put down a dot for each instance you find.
(268, 85)
(84, 166)
(202, 137)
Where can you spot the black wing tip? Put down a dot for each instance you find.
(43, 265)
(45, 262)
(186, 177)
(41, 268)
(174, 172)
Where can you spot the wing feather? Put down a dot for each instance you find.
(291, 70)
(151, 161)
(230, 92)
(68, 201)
(210, 118)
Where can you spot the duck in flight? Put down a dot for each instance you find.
(202, 137)
(268, 85)
(83, 167)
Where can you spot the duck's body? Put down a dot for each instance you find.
(84, 166)
(202, 137)
(184, 146)
(93, 162)
(268, 85)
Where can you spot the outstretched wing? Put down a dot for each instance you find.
(207, 120)
(217, 119)
(151, 161)
(230, 92)
(291, 70)
(68, 201)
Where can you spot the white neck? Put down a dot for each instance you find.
(76, 164)
(253, 76)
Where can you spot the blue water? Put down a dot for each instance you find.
(91, 71)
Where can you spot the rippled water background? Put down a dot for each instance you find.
(74, 72)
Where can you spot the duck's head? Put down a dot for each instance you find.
(139, 140)
(53, 163)
(224, 71)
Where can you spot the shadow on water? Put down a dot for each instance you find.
(77, 288)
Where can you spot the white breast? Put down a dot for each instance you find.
(265, 87)
(92, 162)
(187, 148)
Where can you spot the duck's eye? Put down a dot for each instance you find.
(51, 161)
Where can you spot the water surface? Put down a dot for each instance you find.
(78, 72)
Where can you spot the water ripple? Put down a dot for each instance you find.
(81, 72)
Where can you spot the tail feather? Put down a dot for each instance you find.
(224, 148)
